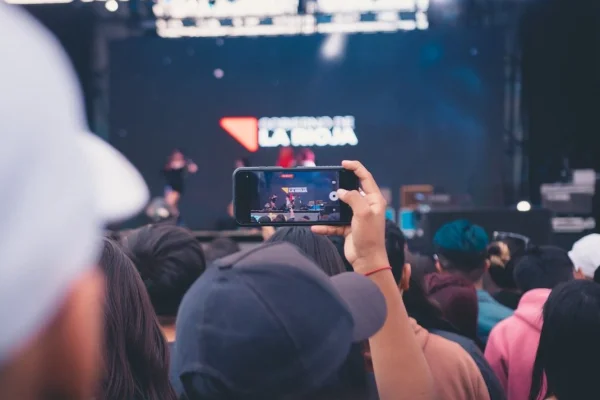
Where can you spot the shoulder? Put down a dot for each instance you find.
(488, 305)
(463, 341)
(455, 371)
(449, 353)
(498, 334)
(494, 387)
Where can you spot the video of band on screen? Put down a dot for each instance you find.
(298, 196)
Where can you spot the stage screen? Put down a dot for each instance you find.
(420, 107)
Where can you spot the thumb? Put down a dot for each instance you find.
(355, 200)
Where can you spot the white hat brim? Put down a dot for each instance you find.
(119, 188)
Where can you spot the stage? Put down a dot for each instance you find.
(298, 215)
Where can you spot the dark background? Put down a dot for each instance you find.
(428, 107)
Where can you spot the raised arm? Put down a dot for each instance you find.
(401, 371)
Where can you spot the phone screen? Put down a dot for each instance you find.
(296, 196)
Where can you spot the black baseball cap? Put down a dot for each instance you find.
(268, 323)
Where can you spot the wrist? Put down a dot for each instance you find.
(370, 264)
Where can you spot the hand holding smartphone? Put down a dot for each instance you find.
(271, 196)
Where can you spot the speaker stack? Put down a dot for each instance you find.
(573, 205)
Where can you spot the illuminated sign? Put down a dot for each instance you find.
(27, 2)
(289, 190)
(333, 6)
(253, 133)
(198, 18)
(223, 8)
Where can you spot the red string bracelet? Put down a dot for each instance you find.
(377, 270)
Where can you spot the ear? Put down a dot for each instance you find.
(438, 266)
(578, 274)
(404, 282)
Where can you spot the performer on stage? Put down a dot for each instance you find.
(289, 202)
(286, 158)
(174, 172)
(242, 162)
(271, 204)
(305, 158)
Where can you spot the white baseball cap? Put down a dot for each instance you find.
(59, 184)
(585, 254)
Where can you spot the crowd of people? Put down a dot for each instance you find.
(321, 313)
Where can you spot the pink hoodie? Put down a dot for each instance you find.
(513, 343)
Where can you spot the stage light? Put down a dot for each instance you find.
(218, 73)
(111, 5)
(26, 2)
(523, 206)
(334, 46)
(224, 18)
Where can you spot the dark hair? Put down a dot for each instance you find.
(421, 264)
(279, 218)
(394, 245)
(221, 247)
(569, 348)
(469, 265)
(316, 247)
(264, 219)
(543, 267)
(169, 260)
(115, 236)
(418, 305)
(136, 355)
(338, 242)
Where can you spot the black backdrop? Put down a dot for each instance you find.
(428, 107)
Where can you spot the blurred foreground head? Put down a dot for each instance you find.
(59, 199)
(569, 349)
(269, 324)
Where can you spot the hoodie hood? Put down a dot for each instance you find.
(438, 282)
(457, 298)
(531, 306)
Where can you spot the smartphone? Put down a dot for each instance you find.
(271, 196)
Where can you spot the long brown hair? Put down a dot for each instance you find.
(136, 355)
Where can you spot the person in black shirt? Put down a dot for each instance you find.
(174, 172)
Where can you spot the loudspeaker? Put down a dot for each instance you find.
(535, 224)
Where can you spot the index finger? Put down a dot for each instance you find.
(367, 182)
(329, 230)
